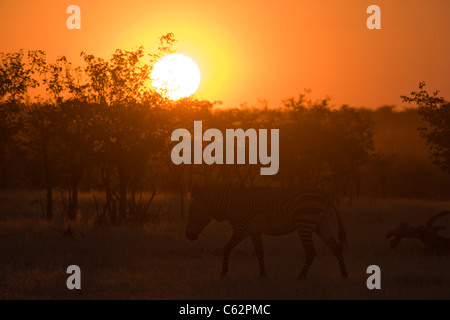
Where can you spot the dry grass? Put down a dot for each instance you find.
(157, 262)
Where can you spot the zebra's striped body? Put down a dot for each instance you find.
(273, 211)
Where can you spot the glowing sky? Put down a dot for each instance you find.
(258, 49)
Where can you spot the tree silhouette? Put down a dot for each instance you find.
(324, 147)
(127, 122)
(40, 136)
(101, 126)
(435, 110)
(16, 78)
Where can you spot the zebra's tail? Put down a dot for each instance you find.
(341, 230)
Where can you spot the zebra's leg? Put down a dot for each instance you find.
(310, 252)
(236, 238)
(257, 244)
(324, 232)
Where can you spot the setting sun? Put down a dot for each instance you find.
(176, 76)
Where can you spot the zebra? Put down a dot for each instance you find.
(272, 211)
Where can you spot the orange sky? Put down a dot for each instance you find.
(258, 49)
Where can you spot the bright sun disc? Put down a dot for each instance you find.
(176, 76)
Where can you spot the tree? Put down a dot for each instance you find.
(324, 147)
(182, 114)
(16, 75)
(40, 137)
(127, 122)
(435, 111)
(350, 146)
(16, 78)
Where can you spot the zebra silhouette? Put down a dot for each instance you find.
(272, 211)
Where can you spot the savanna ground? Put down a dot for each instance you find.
(156, 261)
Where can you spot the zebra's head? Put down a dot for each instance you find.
(199, 216)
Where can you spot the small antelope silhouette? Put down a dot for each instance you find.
(428, 234)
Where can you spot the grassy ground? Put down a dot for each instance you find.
(158, 262)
